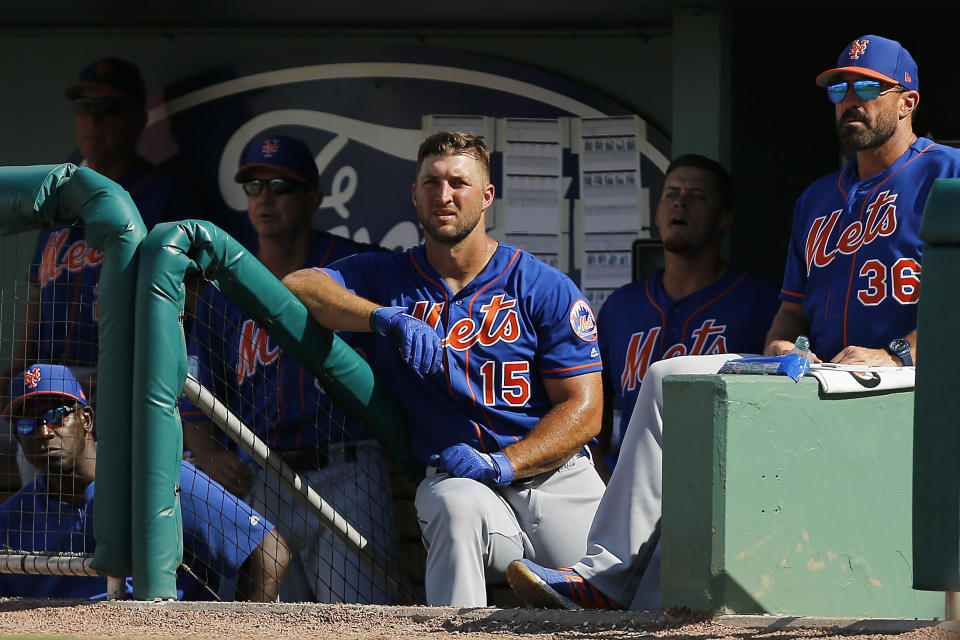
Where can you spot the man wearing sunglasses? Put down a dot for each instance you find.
(282, 402)
(853, 263)
(231, 550)
(851, 284)
(107, 101)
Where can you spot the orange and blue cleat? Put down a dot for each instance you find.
(555, 588)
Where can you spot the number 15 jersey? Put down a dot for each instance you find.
(517, 322)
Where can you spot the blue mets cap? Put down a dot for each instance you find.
(40, 379)
(287, 156)
(112, 73)
(878, 58)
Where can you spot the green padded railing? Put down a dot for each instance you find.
(40, 196)
(172, 252)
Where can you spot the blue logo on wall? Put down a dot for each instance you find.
(363, 113)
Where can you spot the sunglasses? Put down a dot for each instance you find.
(866, 89)
(277, 186)
(100, 106)
(50, 417)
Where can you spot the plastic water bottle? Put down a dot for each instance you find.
(802, 346)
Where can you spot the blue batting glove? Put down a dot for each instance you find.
(463, 461)
(420, 346)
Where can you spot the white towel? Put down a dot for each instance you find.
(852, 378)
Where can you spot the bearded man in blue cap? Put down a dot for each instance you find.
(853, 265)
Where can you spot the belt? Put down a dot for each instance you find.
(320, 457)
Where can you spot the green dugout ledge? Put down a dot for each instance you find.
(778, 499)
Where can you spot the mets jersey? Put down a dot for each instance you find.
(854, 255)
(66, 269)
(273, 395)
(519, 321)
(640, 324)
(219, 534)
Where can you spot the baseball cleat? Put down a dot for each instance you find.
(555, 588)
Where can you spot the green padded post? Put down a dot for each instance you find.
(157, 442)
(936, 481)
(777, 499)
(33, 197)
(346, 377)
(171, 252)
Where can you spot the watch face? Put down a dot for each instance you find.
(899, 345)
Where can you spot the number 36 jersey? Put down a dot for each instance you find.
(854, 255)
(518, 322)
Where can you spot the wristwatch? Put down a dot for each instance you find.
(900, 348)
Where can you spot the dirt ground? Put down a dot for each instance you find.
(349, 622)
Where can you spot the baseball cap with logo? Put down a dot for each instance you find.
(287, 156)
(113, 73)
(875, 57)
(45, 379)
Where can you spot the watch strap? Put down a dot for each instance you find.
(900, 348)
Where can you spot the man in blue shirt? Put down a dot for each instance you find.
(230, 551)
(282, 402)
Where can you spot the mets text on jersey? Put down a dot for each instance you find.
(56, 261)
(904, 274)
(466, 332)
(881, 221)
(708, 339)
(492, 327)
(255, 349)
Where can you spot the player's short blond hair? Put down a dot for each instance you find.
(456, 143)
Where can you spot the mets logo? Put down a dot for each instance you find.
(31, 378)
(103, 68)
(582, 321)
(270, 146)
(858, 48)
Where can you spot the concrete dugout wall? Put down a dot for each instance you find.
(777, 499)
